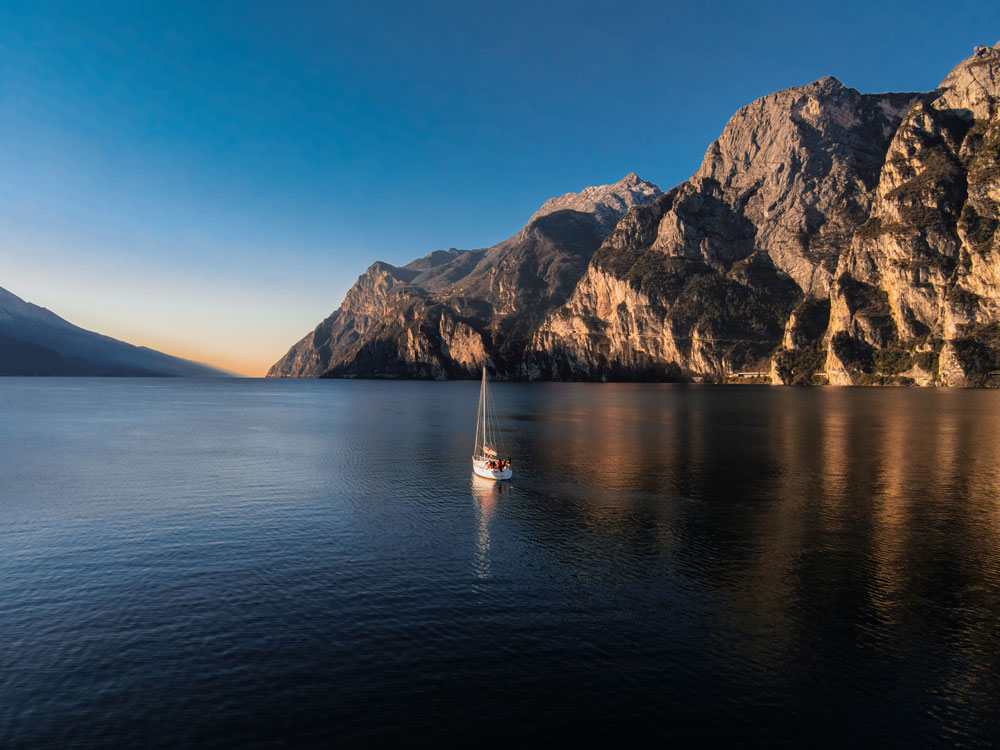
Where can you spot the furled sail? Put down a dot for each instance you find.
(488, 439)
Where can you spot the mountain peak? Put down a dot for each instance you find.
(973, 87)
(827, 83)
(608, 203)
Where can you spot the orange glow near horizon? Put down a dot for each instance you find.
(251, 368)
(183, 315)
(251, 365)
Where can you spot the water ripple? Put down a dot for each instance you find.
(250, 563)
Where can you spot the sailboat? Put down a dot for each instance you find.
(487, 462)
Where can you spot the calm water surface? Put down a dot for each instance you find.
(249, 563)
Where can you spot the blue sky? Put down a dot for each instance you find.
(210, 178)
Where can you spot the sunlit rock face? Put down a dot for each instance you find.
(703, 282)
(918, 288)
(828, 236)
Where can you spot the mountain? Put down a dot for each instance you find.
(445, 314)
(707, 277)
(828, 236)
(35, 341)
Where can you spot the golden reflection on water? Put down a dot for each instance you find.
(768, 588)
(907, 489)
(891, 513)
(790, 504)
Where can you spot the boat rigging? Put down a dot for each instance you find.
(487, 461)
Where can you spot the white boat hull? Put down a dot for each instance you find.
(481, 470)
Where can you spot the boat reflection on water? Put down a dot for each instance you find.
(485, 493)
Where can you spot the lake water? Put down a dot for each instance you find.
(247, 563)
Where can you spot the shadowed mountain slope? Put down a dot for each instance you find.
(35, 341)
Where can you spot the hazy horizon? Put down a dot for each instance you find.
(210, 182)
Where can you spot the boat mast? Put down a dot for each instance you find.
(479, 414)
(483, 398)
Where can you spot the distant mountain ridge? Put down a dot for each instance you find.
(36, 341)
(828, 236)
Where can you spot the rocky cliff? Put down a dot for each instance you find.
(828, 236)
(917, 291)
(447, 314)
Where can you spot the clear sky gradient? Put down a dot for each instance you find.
(209, 179)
